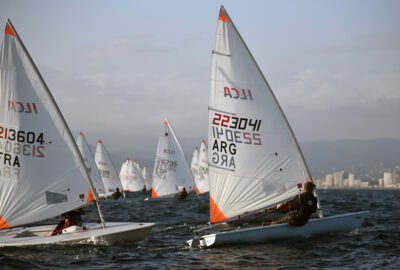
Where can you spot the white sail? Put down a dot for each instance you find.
(139, 170)
(194, 166)
(148, 181)
(42, 173)
(202, 180)
(90, 163)
(254, 158)
(107, 170)
(130, 177)
(171, 171)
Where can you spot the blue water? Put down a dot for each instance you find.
(376, 245)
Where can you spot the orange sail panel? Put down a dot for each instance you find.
(153, 193)
(222, 16)
(9, 30)
(215, 214)
(89, 196)
(3, 223)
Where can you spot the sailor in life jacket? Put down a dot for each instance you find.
(182, 195)
(305, 205)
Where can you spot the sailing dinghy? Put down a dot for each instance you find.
(42, 171)
(147, 179)
(107, 170)
(194, 166)
(130, 177)
(255, 160)
(202, 180)
(90, 164)
(171, 171)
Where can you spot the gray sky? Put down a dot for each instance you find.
(118, 68)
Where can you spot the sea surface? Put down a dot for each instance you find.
(376, 245)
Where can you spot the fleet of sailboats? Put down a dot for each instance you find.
(250, 163)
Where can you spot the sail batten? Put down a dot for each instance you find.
(253, 153)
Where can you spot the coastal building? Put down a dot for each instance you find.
(329, 180)
(380, 182)
(388, 179)
(352, 181)
(338, 179)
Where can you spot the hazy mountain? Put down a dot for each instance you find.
(359, 156)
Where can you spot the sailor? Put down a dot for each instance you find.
(116, 194)
(305, 205)
(69, 219)
(182, 195)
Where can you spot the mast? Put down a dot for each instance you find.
(276, 103)
(70, 137)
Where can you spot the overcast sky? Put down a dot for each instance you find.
(118, 68)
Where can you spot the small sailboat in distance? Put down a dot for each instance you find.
(194, 166)
(255, 160)
(130, 178)
(171, 171)
(48, 176)
(107, 170)
(148, 181)
(202, 179)
(90, 164)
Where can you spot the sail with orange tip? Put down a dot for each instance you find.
(254, 161)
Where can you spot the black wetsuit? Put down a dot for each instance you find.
(116, 195)
(304, 204)
(181, 195)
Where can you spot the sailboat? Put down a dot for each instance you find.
(171, 171)
(202, 180)
(42, 171)
(130, 177)
(147, 179)
(255, 160)
(140, 173)
(194, 166)
(107, 170)
(90, 164)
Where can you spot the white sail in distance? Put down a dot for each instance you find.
(107, 170)
(90, 163)
(202, 179)
(130, 177)
(42, 173)
(139, 170)
(254, 159)
(194, 165)
(171, 171)
(148, 181)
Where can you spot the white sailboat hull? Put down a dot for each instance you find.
(325, 225)
(114, 233)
